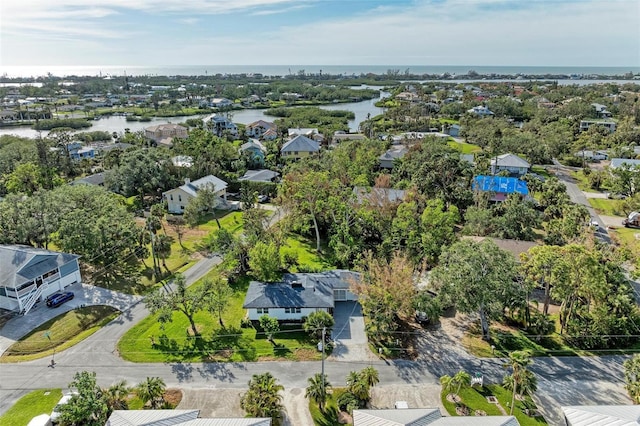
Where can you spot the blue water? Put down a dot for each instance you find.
(119, 70)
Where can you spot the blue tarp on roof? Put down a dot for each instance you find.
(504, 185)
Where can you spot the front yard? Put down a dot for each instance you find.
(33, 404)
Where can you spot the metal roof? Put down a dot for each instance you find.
(177, 418)
(504, 185)
(602, 415)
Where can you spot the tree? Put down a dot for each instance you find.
(117, 396)
(177, 224)
(359, 384)
(460, 379)
(163, 248)
(205, 202)
(317, 321)
(26, 178)
(189, 302)
(219, 294)
(263, 399)
(386, 291)
(477, 277)
(318, 390)
(518, 361)
(88, 406)
(151, 391)
(632, 378)
(270, 326)
(264, 261)
(539, 266)
(438, 225)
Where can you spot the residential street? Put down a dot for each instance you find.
(562, 380)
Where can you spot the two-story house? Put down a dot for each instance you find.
(177, 199)
(299, 147)
(510, 163)
(258, 128)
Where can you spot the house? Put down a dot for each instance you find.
(587, 415)
(259, 128)
(481, 111)
(221, 103)
(182, 161)
(30, 274)
(270, 135)
(511, 163)
(378, 196)
(311, 133)
(388, 158)
(589, 155)
(255, 150)
(178, 198)
(619, 162)
(165, 131)
(341, 137)
(500, 186)
(299, 147)
(423, 417)
(610, 125)
(454, 130)
(298, 295)
(96, 179)
(177, 418)
(601, 110)
(262, 175)
(219, 125)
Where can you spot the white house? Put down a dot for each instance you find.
(610, 125)
(178, 418)
(481, 111)
(585, 415)
(30, 274)
(178, 198)
(298, 295)
(511, 163)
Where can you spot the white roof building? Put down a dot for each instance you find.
(602, 415)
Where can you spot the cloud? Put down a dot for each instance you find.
(265, 12)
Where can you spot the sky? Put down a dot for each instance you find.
(327, 32)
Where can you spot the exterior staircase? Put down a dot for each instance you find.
(31, 300)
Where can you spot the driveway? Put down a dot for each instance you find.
(88, 295)
(349, 334)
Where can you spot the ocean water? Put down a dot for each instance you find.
(272, 70)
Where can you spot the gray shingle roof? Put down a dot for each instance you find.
(394, 153)
(617, 162)
(95, 179)
(301, 144)
(21, 264)
(509, 160)
(316, 290)
(192, 188)
(262, 175)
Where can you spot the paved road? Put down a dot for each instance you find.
(578, 197)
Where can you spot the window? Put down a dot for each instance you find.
(181, 207)
(262, 310)
(179, 197)
(292, 310)
(171, 197)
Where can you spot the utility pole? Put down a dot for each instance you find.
(324, 331)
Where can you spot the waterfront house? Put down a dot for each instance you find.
(220, 125)
(30, 274)
(177, 199)
(298, 295)
(162, 132)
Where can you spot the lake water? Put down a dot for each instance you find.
(118, 123)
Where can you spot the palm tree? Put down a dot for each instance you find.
(370, 376)
(318, 390)
(461, 378)
(116, 396)
(151, 391)
(518, 361)
(263, 399)
(447, 383)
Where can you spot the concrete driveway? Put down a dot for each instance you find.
(349, 335)
(88, 295)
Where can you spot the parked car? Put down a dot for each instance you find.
(59, 298)
(263, 198)
(55, 414)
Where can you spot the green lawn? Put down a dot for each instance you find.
(542, 171)
(31, 405)
(476, 399)
(330, 415)
(232, 343)
(308, 257)
(464, 148)
(582, 181)
(64, 331)
(607, 207)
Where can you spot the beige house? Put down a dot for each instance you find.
(165, 131)
(258, 128)
(178, 198)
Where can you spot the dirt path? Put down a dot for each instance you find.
(296, 407)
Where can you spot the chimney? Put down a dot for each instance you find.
(187, 181)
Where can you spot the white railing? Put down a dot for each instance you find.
(31, 300)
